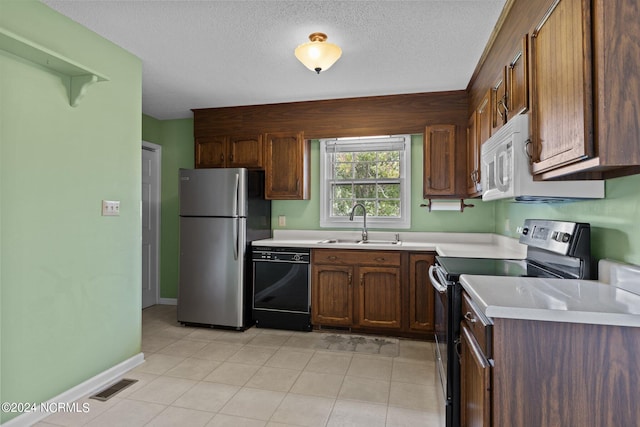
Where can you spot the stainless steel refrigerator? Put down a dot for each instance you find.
(221, 212)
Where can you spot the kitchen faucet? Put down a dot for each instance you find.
(365, 235)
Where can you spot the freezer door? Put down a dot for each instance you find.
(213, 192)
(212, 257)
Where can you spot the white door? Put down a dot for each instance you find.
(151, 155)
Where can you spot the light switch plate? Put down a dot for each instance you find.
(111, 208)
(282, 221)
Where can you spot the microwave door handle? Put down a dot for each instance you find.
(434, 281)
(501, 156)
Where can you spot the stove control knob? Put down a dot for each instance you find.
(525, 231)
(565, 237)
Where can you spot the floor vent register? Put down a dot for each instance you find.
(113, 389)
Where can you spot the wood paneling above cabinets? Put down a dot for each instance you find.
(366, 116)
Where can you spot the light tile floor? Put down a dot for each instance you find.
(265, 377)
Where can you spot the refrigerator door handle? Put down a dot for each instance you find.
(235, 201)
(236, 236)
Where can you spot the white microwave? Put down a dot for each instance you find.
(505, 172)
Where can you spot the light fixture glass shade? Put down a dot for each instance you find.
(318, 55)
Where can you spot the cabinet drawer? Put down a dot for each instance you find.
(361, 257)
(478, 324)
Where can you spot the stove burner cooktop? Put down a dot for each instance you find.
(455, 266)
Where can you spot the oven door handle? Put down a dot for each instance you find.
(434, 281)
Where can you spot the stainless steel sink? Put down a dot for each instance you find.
(343, 241)
(380, 242)
(360, 242)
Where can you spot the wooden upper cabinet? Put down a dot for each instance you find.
(245, 152)
(499, 101)
(229, 152)
(473, 158)
(287, 173)
(518, 81)
(483, 118)
(439, 161)
(210, 152)
(562, 110)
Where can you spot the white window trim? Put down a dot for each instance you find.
(372, 222)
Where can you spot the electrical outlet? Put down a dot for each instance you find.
(111, 208)
(282, 221)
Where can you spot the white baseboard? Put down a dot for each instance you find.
(86, 388)
(169, 301)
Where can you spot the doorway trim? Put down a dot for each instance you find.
(150, 146)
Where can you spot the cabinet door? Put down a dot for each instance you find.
(210, 152)
(379, 297)
(245, 152)
(421, 293)
(499, 101)
(562, 107)
(332, 295)
(473, 158)
(287, 166)
(439, 161)
(483, 118)
(475, 381)
(518, 81)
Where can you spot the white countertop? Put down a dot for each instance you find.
(479, 245)
(555, 300)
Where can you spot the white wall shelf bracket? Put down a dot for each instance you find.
(79, 76)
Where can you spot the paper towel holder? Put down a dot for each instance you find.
(435, 205)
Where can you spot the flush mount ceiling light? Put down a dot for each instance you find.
(318, 55)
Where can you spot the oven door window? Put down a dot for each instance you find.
(281, 286)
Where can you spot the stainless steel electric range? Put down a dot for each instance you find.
(555, 249)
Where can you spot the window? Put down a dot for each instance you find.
(374, 171)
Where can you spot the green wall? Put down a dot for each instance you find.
(70, 278)
(176, 139)
(615, 221)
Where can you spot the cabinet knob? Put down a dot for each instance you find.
(222, 157)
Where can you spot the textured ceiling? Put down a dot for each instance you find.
(199, 54)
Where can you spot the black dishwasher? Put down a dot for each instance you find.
(281, 288)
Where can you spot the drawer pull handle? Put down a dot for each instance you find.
(350, 279)
(332, 258)
(468, 316)
(379, 259)
(362, 280)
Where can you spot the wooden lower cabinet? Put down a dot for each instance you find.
(475, 375)
(332, 295)
(547, 374)
(421, 293)
(379, 297)
(371, 290)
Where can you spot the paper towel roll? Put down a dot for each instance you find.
(442, 205)
(446, 205)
